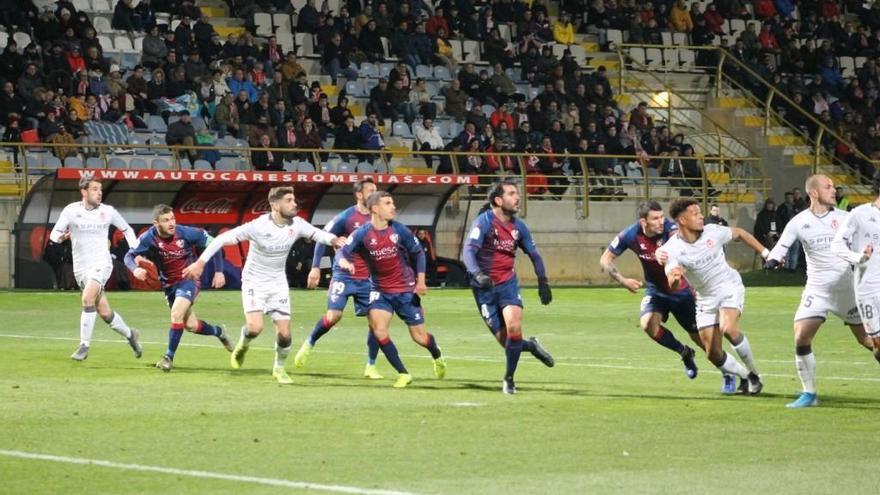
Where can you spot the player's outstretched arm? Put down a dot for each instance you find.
(117, 221)
(60, 232)
(228, 238)
(749, 239)
(674, 271)
(608, 266)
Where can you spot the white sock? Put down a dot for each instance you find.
(281, 354)
(118, 325)
(245, 340)
(744, 351)
(732, 367)
(806, 369)
(86, 326)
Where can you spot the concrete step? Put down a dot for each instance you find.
(732, 102)
(785, 141)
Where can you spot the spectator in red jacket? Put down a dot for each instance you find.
(714, 20)
(436, 22)
(764, 9)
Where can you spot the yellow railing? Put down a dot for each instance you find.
(579, 184)
(722, 75)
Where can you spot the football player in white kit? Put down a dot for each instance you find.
(87, 223)
(264, 288)
(854, 242)
(699, 250)
(829, 279)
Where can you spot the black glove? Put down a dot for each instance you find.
(484, 281)
(544, 291)
(771, 264)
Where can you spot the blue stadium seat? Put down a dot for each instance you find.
(401, 129)
(73, 162)
(116, 163)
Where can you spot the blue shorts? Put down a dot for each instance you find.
(407, 305)
(343, 288)
(186, 289)
(682, 305)
(492, 302)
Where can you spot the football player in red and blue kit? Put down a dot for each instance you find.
(344, 285)
(389, 248)
(172, 248)
(644, 237)
(489, 257)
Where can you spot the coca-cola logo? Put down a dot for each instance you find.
(195, 206)
(261, 206)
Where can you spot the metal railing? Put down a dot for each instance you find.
(572, 179)
(727, 70)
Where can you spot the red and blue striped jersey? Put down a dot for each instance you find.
(492, 244)
(389, 253)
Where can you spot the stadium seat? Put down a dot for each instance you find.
(34, 163)
(185, 164)
(102, 6)
(670, 56)
(385, 69)
(470, 51)
(847, 66)
(263, 22)
(638, 55)
(226, 163)
(281, 22)
(156, 124)
(285, 41)
(365, 168)
(305, 44)
(488, 109)
(73, 162)
(654, 57)
(442, 73)
(123, 43)
(345, 167)
(81, 5)
(355, 88)
(679, 39)
(102, 25)
(202, 165)
(400, 129)
(22, 39)
(51, 163)
(687, 58)
(94, 162)
(305, 166)
(369, 70)
(106, 43)
(424, 72)
(666, 37)
(160, 164)
(116, 163)
(737, 26)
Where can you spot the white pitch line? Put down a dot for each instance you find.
(301, 485)
(479, 359)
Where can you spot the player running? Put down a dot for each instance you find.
(854, 242)
(720, 292)
(344, 285)
(489, 256)
(829, 280)
(264, 288)
(644, 237)
(171, 247)
(388, 247)
(87, 223)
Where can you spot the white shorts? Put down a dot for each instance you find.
(869, 310)
(98, 273)
(817, 303)
(708, 307)
(271, 300)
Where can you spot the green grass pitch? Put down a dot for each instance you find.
(616, 414)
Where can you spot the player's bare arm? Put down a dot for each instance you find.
(749, 240)
(608, 266)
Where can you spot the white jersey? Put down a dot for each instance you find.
(861, 227)
(89, 233)
(270, 245)
(704, 260)
(826, 271)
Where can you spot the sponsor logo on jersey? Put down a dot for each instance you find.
(834, 223)
(709, 243)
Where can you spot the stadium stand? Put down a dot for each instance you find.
(118, 72)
